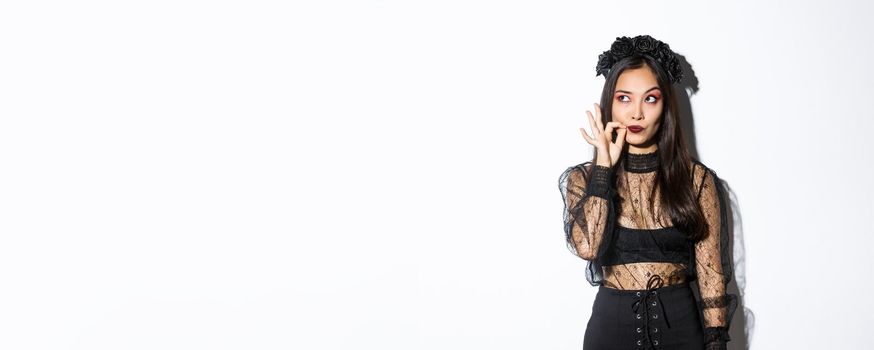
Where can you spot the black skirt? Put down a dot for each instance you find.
(656, 318)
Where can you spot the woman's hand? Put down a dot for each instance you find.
(607, 151)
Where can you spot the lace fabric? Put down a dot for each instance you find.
(613, 219)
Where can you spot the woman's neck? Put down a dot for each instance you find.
(642, 162)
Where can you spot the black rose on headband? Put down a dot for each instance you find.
(621, 47)
(644, 43)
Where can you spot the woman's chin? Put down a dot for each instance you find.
(634, 140)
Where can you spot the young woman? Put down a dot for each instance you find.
(647, 216)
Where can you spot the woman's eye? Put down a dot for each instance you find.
(654, 99)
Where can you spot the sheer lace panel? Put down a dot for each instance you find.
(708, 258)
(614, 220)
(586, 207)
(639, 209)
(601, 202)
(636, 275)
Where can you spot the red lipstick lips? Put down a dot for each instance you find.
(635, 128)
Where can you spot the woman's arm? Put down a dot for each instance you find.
(586, 191)
(713, 263)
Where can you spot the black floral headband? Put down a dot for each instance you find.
(640, 45)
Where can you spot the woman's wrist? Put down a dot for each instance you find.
(599, 181)
(602, 158)
(716, 334)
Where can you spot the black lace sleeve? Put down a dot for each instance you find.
(713, 260)
(588, 197)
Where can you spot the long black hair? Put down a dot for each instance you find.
(675, 173)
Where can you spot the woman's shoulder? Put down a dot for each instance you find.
(699, 169)
(700, 166)
(702, 173)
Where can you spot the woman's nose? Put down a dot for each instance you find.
(638, 113)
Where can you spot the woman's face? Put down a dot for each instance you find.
(637, 101)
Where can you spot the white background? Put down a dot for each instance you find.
(383, 174)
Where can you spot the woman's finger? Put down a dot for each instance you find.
(616, 125)
(609, 131)
(613, 126)
(598, 116)
(596, 131)
(620, 137)
(586, 136)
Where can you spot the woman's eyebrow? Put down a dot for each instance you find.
(629, 92)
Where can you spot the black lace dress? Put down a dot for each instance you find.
(613, 220)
